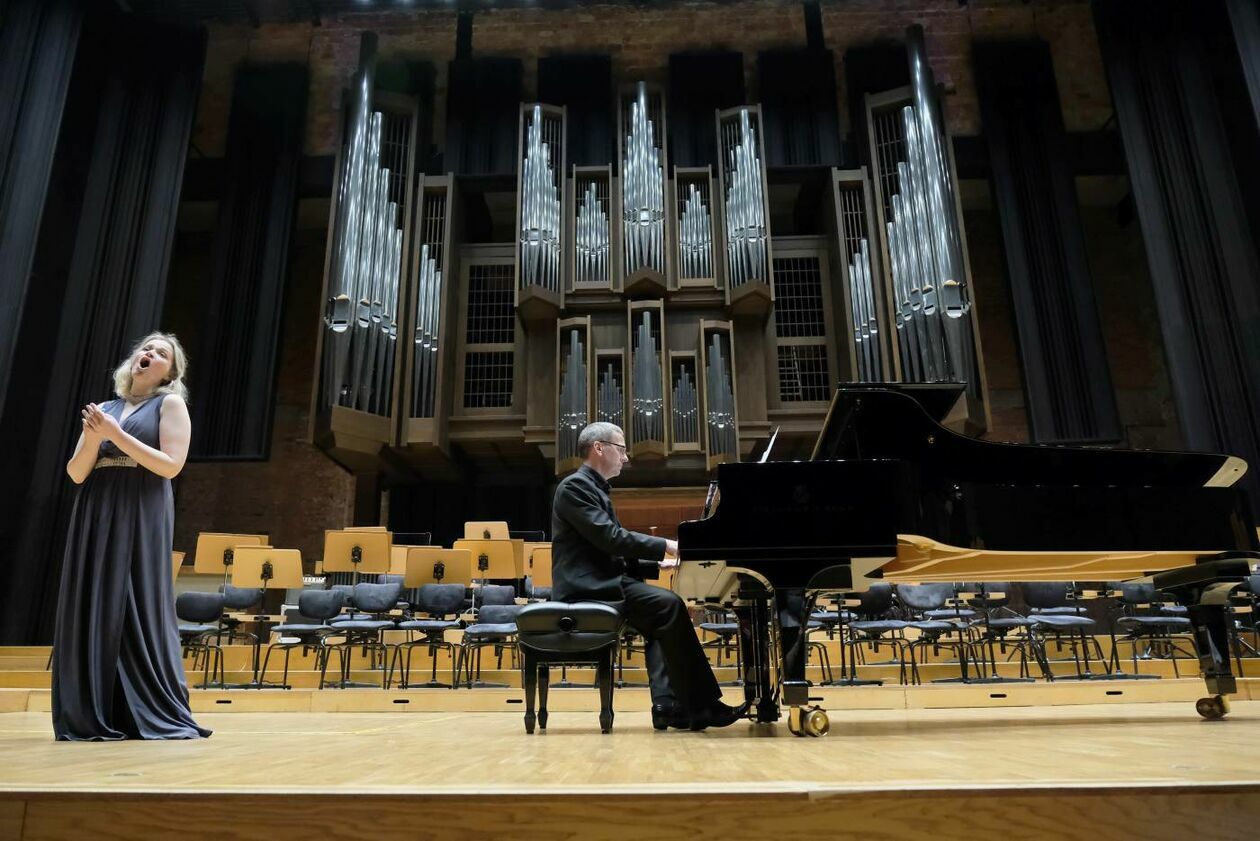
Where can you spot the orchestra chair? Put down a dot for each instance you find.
(1000, 627)
(495, 626)
(368, 633)
(240, 600)
(1108, 594)
(567, 634)
(873, 626)
(922, 602)
(198, 615)
(833, 623)
(1054, 617)
(539, 570)
(306, 630)
(433, 605)
(1145, 619)
(1243, 606)
(721, 623)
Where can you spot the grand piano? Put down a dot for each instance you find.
(890, 494)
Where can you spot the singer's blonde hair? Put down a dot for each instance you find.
(174, 384)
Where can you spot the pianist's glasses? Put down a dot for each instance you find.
(611, 444)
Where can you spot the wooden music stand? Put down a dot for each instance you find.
(397, 559)
(177, 561)
(215, 551)
(486, 530)
(493, 559)
(357, 551)
(431, 565)
(259, 567)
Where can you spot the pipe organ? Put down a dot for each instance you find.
(745, 213)
(615, 291)
(539, 193)
(927, 279)
(642, 167)
(573, 400)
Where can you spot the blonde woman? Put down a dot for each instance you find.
(117, 672)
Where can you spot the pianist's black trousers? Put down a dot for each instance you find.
(662, 618)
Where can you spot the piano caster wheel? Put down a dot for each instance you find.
(808, 721)
(1213, 707)
(816, 722)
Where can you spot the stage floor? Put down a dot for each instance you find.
(1122, 770)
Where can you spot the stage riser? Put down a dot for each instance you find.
(637, 699)
(1155, 814)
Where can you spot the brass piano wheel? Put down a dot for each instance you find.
(794, 721)
(815, 722)
(1212, 707)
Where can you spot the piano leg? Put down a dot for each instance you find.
(1205, 589)
(754, 612)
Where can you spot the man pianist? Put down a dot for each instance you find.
(595, 559)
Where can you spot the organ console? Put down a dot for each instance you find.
(891, 495)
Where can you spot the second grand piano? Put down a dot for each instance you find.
(892, 495)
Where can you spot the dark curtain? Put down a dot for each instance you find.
(1244, 16)
(1202, 256)
(798, 92)
(1069, 393)
(234, 371)
(583, 85)
(138, 86)
(483, 115)
(442, 510)
(699, 85)
(37, 47)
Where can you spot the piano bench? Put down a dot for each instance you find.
(567, 633)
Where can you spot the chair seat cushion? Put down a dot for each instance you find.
(1058, 620)
(1068, 610)
(936, 625)
(831, 616)
(1005, 622)
(1154, 621)
(879, 626)
(720, 627)
(365, 625)
(300, 628)
(950, 613)
(197, 629)
(428, 624)
(505, 629)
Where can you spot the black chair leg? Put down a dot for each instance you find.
(544, 683)
(529, 679)
(605, 680)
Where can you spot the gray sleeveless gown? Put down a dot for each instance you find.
(116, 670)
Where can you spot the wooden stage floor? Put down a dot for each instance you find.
(1115, 771)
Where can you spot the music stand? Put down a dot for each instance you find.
(215, 551)
(486, 530)
(357, 551)
(177, 561)
(431, 565)
(397, 559)
(492, 559)
(259, 567)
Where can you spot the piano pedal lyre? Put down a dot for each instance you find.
(808, 721)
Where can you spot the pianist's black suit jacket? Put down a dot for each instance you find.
(590, 551)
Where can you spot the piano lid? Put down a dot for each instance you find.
(901, 421)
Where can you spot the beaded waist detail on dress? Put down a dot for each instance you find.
(117, 461)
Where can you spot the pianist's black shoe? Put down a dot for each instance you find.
(718, 715)
(666, 716)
